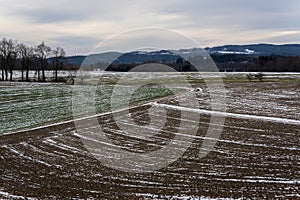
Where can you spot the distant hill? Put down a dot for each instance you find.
(106, 57)
(142, 57)
(74, 60)
(257, 49)
(242, 52)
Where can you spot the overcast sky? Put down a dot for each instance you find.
(79, 26)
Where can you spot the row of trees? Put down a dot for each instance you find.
(18, 56)
(271, 63)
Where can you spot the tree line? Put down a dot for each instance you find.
(225, 63)
(263, 63)
(18, 56)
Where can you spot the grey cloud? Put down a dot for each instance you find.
(242, 14)
(76, 44)
(76, 40)
(224, 16)
(43, 16)
(287, 39)
(63, 11)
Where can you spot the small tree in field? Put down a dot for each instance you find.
(249, 77)
(259, 76)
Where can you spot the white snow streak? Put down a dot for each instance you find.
(12, 196)
(233, 115)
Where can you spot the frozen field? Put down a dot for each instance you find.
(32, 105)
(256, 156)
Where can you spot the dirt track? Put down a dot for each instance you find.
(253, 158)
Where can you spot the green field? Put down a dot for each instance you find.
(31, 105)
(34, 105)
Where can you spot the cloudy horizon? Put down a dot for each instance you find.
(79, 26)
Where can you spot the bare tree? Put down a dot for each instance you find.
(58, 53)
(4, 54)
(22, 55)
(25, 54)
(42, 51)
(8, 57)
(12, 57)
(2, 68)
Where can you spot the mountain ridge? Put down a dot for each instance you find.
(251, 50)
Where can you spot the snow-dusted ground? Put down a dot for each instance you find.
(17, 74)
(11, 196)
(64, 73)
(31, 105)
(232, 115)
(256, 156)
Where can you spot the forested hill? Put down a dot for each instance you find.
(258, 49)
(253, 57)
(252, 50)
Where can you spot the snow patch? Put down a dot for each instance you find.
(181, 197)
(12, 196)
(233, 115)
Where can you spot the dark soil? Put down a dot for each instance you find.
(252, 159)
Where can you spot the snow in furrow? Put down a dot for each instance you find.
(62, 146)
(233, 115)
(13, 150)
(12, 196)
(181, 197)
(263, 181)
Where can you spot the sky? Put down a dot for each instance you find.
(81, 26)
